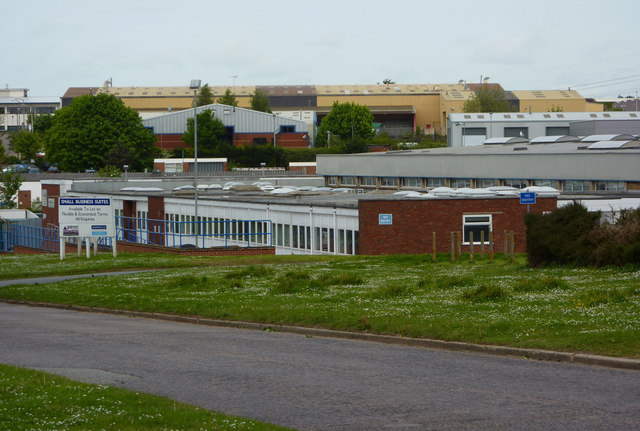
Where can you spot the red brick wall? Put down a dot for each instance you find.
(414, 222)
(24, 199)
(308, 170)
(50, 214)
(169, 142)
(156, 212)
(285, 140)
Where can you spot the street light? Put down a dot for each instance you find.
(195, 85)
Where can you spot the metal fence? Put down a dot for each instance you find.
(165, 233)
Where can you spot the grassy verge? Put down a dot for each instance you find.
(20, 266)
(503, 303)
(36, 400)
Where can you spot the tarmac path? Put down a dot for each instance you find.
(317, 383)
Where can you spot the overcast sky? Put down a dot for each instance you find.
(590, 46)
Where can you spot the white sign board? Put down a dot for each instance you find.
(86, 217)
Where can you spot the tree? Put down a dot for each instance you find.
(346, 121)
(555, 108)
(388, 81)
(260, 102)
(92, 127)
(228, 99)
(10, 183)
(26, 143)
(206, 96)
(488, 99)
(210, 133)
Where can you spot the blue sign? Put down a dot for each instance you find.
(385, 219)
(528, 198)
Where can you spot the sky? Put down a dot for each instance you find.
(589, 46)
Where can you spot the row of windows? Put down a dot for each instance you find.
(456, 183)
(323, 239)
(513, 132)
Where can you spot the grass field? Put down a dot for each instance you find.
(33, 400)
(503, 303)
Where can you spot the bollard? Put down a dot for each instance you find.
(491, 246)
(513, 254)
(471, 246)
(506, 244)
(453, 247)
(482, 244)
(434, 247)
(459, 244)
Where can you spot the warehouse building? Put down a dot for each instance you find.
(466, 130)
(398, 108)
(243, 127)
(302, 220)
(577, 166)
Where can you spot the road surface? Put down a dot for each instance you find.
(319, 383)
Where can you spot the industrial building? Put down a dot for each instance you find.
(596, 163)
(471, 129)
(16, 107)
(243, 127)
(398, 108)
(303, 220)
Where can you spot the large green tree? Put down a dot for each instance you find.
(228, 99)
(260, 102)
(205, 97)
(84, 133)
(346, 122)
(488, 99)
(10, 183)
(26, 143)
(210, 134)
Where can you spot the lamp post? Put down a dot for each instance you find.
(195, 85)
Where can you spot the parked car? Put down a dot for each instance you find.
(53, 170)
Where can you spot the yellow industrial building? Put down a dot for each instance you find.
(398, 107)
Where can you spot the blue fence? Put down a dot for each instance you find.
(175, 234)
(201, 234)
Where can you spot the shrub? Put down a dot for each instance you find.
(617, 243)
(562, 237)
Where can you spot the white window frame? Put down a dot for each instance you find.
(467, 221)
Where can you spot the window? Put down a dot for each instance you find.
(388, 182)
(484, 183)
(435, 182)
(610, 185)
(519, 184)
(557, 131)
(546, 183)
(368, 181)
(458, 183)
(476, 223)
(348, 181)
(259, 141)
(332, 181)
(510, 132)
(287, 129)
(576, 185)
(411, 182)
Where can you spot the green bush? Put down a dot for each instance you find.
(562, 237)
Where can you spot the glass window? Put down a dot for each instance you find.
(610, 185)
(477, 224)
(546, 183)
(519, 184)
(576, 185)
(484, 183)
(458, 183)
(388, 182)
(332, 181)
(435, 182)
(368, 181)
(411, 182)
(510, 132)
(347, 181)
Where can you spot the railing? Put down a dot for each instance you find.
(201, 234)
(178, 234)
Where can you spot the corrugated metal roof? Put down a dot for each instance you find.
(548, 94)
(243, 120)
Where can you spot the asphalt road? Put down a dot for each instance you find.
(319, 383)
